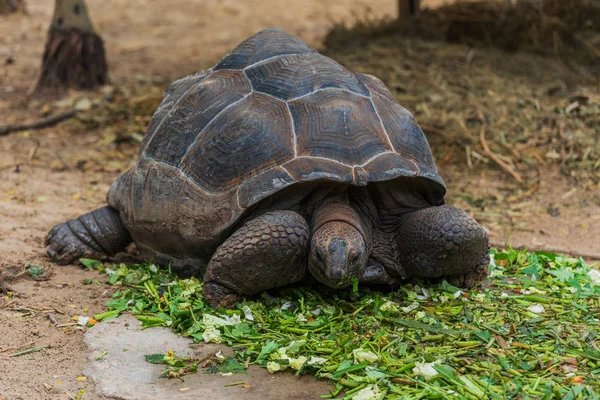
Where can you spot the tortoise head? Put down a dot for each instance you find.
(337, 254)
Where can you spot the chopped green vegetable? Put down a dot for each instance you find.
(90, 264)
(530, 333)
(27, 351)
(34, 270)
(267, 349)
(155, 358)
(229, 365)
(105, 352)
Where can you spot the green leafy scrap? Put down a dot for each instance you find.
(562, 274)
(266, 349)
(90, 264)
(155, 358)
(230, 365)
(176, 367)
(34, 270)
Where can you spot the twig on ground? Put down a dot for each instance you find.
(66, 324)
(35, 148)
(523, 195)
(16, 347)
(44, 123)
(488, 152)
(432, 129)
(27, 351)
(22, 309)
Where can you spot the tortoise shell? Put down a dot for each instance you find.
(271, 114)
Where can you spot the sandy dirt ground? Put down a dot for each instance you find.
(50, 175)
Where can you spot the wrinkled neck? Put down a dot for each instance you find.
(338, 209)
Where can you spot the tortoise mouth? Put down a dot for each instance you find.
(341, 282)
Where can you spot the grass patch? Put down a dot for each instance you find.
(529, 333)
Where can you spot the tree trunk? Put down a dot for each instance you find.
(74, 54)
(406, 8)
(11, 6)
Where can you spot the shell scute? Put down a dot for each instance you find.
(297, 75)
(170, 98)
(405, 134)
(271, 42)
(244, 140)
(338, 125)
(195, 110)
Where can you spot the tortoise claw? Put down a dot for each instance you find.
(219, 295)
(64, 247)
(472, 278)
(97, 234)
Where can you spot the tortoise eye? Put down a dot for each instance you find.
(353, 258)
(320, 256)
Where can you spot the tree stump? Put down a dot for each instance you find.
(74, 53)
(407, 8)
(11, 6)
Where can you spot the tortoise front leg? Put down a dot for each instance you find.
(443, 242)
(98, 234)
(376, 274)
(267, 252)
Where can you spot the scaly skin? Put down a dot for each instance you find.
(443, 241)
(99, 234)
(375, 274)
(266, 252)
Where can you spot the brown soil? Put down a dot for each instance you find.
(53, 174)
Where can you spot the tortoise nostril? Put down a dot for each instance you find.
(335, 274)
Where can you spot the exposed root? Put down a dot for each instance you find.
(44, 123)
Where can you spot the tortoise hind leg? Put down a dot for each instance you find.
(443, 242)
(98, 234)
(266, 252)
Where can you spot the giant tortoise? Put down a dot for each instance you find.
(275, 162)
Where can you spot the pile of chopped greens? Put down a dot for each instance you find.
(530, 332)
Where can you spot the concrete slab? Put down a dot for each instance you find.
(125, 374)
